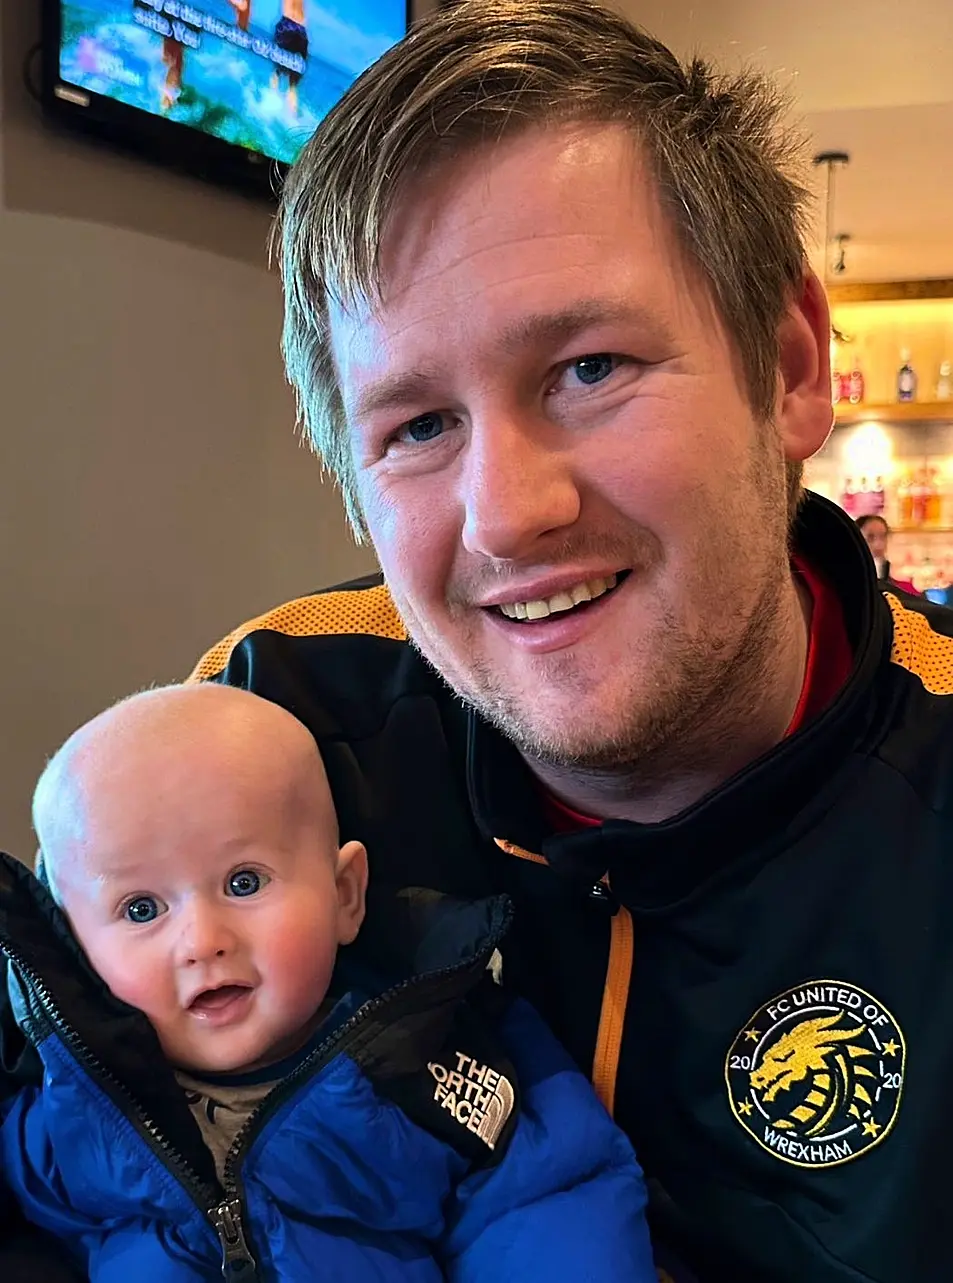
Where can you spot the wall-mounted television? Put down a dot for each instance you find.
(225, 88)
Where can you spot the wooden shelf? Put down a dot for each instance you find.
(846, 414)
(921, 530)
(888, 291)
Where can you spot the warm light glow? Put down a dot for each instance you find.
(868, 450)
(918, 314)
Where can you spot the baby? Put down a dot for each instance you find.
(223, 1090)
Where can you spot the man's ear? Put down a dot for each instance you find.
(351, 878)
(805, 414)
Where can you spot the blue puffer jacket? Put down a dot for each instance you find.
(438, 1133)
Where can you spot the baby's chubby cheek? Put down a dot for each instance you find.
(141, 983)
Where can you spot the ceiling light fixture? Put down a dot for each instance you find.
(835, 259)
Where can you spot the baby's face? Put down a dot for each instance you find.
(210, 902)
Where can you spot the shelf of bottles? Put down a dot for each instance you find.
(891, 450)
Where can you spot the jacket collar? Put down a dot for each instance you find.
(655, 867)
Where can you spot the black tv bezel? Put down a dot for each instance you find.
(154, 138)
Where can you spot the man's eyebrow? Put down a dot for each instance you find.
(393, 392)
(557, 327)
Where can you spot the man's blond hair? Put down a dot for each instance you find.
(482, 70)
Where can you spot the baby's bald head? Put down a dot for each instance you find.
(134, 765)
(190, 837)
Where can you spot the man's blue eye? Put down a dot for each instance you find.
(244, 882)
(426, 427)
(142, 909)
(593, 369)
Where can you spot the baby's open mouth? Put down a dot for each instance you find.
(218, 999)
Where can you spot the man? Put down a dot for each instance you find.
(550, 323)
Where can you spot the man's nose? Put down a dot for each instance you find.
(204, 935)
(518, 485)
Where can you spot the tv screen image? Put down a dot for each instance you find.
(258, 74)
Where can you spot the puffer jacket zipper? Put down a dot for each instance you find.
(238, 1265)
(319, 1057)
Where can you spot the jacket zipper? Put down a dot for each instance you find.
(222, 1213)
(238, 1264)
(615, 993)
(231, 1178)
(615, 1001)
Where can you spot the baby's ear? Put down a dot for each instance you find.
(352, 890)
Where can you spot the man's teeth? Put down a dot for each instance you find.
(588, 591)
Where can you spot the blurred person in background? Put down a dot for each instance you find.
(876, 532)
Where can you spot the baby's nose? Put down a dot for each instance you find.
(205, 937)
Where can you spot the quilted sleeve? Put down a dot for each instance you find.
(567, 1201)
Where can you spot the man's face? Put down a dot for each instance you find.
(580, 520)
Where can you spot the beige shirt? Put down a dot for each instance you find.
(221, 1111)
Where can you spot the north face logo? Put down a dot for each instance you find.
(479, 1098)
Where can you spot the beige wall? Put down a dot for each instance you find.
(873, 80)
(152, 492)
(830, 56)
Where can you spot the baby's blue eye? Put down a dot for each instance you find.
(142, 909)
(245, 882)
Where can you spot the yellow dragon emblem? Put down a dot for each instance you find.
(830, 1057)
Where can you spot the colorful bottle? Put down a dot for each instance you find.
(919, 491)
(878, 499)
(906, 378)
(855, 383)
(905, 499)
(933, 498)
(837, 382)
(904, 502)
(848, 499)
(944, 384)
(946, 506)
